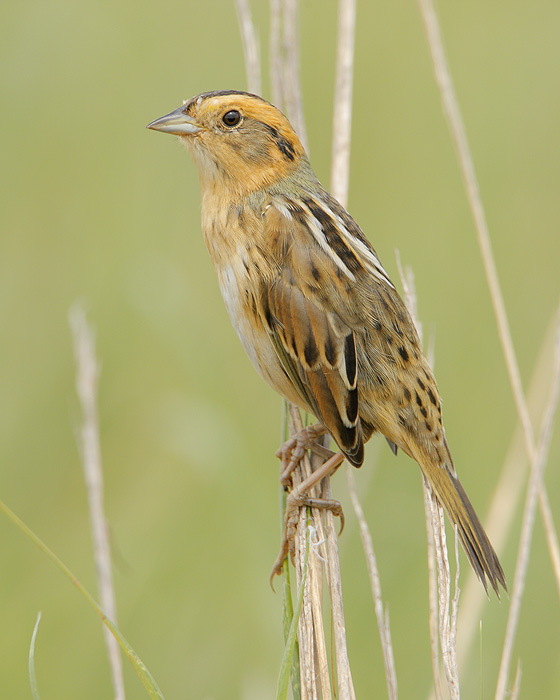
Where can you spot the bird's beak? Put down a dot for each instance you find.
(176, 122)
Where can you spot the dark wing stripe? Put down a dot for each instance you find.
(352, 406)
(332, 234)
(319, 355)
(350, 360)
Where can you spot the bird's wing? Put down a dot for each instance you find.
(318, 352)
(333, 300)
(317, 315)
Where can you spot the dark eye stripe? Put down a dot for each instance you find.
(285, 146)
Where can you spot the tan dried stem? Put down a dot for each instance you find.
(314, 664)
(276, 67)
(406, 274)
(527, 523)
(442, 610)
(333, 577)
(375, 582)
(516, 683)
(87, 375)
(505, 500)
(447, 608)
(432, 594)
(250, 43)
(291, 82)
(342, 111)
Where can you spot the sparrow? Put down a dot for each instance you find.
(317, 314)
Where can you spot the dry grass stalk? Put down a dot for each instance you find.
(375, 582)
(409, 295)
(442, 610)
(334, 584)
(291, 83)
(432, 596)
(514, 695)
(87, 375)
(275, 56)
(535, 481)
(505, 501)
(342, 111)
(312, 646)
(447, 608)
(455, 120)
(314, 666)
(550, 532)
(250, 43)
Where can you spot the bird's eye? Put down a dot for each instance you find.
(231, 118)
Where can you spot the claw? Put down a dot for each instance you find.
(279, 563)
(298, 498)
(293, 450)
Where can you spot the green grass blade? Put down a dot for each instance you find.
(287, 619)
(145, 676)
(291, 641)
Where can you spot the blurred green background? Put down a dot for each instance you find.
(94, 207)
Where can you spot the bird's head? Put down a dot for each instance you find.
(237, 140)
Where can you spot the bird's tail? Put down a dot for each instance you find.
(451, 494)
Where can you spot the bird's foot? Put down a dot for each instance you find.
(298, 498)
(293, 450)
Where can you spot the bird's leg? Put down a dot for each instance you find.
(298, 498)
(292, 451)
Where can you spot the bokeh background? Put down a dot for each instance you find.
(95, 208)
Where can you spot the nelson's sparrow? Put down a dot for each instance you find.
(313, 307)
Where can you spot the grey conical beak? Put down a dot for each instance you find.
(176, 122)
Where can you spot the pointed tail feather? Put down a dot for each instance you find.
(482, 557)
